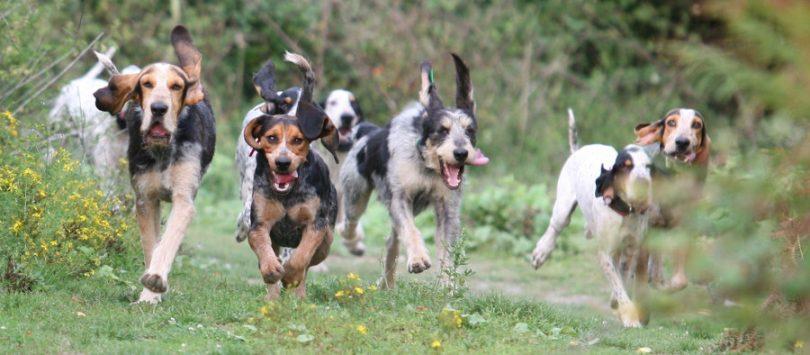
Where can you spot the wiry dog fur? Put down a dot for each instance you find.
(171, 142)
(614, 203)
(294, 203)
(416, 161)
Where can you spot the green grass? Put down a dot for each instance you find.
(216, 295)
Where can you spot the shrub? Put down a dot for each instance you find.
(56, 222)
(509, 216)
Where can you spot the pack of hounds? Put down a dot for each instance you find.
(297, 193)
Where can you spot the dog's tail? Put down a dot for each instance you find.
(572, 132)
(309, 76)
(104, 60)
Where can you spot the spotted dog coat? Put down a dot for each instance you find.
(344, 110)
(171, 143)
(293, 202)
(613, 202)
(416, 161)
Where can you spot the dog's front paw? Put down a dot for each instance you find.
(418, 263)
(273, 292)
(541, 253)
(676, 283)
(271, 271)
(356, 248)
(154, 282)
(630, 315)
(148, 297)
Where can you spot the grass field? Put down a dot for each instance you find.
(215, 304)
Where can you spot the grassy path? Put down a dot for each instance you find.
(215, 305)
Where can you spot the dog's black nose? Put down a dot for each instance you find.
(460, 154)
(346, 121)
(681, 144)
(159, 108)
(283, 163)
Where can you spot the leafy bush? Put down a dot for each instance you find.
(56, 222)
(509, 216)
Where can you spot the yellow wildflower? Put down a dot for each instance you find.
(17, 227)
(352, 276)
(436, 344)
(372, 288)
(362, 329)
(340, 294)
(358, 290)
(41, 193)
(265, 311)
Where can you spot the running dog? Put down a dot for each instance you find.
(344, 110)
(681, 137)
(171, 143)
(415, 161)
(294, 204)
(614, 202)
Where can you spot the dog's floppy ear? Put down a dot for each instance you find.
(604, 185)
(702, 154)
(428, 95)
(190, 61)
(251, 132)
(120, 89)
(649, 133)
(464, 88)
(314, 124)
(265, 82)
(356, 107)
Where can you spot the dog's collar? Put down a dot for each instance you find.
(621, 207)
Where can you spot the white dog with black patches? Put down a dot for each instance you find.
(103, 137)
(614, 202)
(345, 113)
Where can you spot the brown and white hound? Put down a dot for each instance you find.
(685, 145)
(171, 142)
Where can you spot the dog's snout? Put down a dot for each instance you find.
(283, 163)
(346, 120)
(681, 143)
(460, 154)
(159, 109)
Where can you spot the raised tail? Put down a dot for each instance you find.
(309, 76)
(572, 132)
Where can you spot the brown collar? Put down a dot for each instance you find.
(621, 207)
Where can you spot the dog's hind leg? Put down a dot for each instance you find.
(391, 256)
(356, 193)
(560, 218)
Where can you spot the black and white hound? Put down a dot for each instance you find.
(614, 202)
(416, 161)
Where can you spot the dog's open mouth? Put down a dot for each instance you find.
(283, 182)
(344, 139)
(686, 157)
(452, 174)
(157, 134)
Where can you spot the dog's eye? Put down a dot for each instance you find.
(148, 85)
(176, 87)
(672, 123)
(297, 141)
(696, 125)
(272, 139)
(332, 103)
(444, 130)
(470, 131)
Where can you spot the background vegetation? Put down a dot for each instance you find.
(616, 63)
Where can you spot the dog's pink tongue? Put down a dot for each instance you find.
(453, 172)
(285, 178)
(158, 131)
(479, 159)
